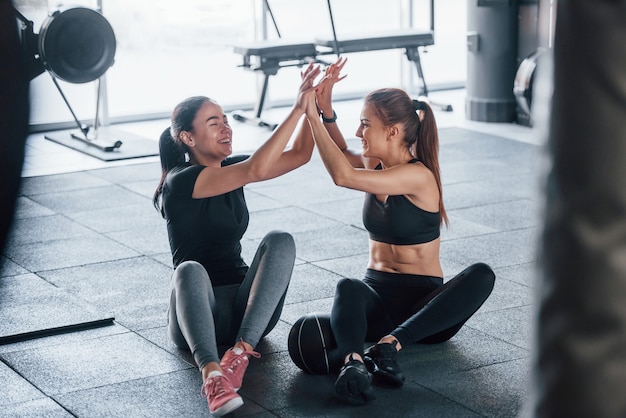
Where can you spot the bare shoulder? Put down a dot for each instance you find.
(426, 193)
(422, 169)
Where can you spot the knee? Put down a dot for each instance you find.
(347, 286)
(280, 239)
(189, 272)
(278, 236)
(481, 275)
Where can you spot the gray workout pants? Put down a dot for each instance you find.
(200, 316)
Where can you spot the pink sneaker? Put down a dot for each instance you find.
(221, 397)
(234, 365)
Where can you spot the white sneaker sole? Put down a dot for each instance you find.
(228, 407)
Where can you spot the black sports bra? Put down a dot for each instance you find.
(398, 221)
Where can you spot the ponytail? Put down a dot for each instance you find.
(172, 150)
(172, 154)
(427, 148)
(395, 106)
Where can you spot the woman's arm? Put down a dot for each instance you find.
(323, 94)
(407, 179)
(302, 147)
(263, 163)
(299, 153)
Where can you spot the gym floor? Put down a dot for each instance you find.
(88, 246)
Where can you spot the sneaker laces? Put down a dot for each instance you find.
(213, 386)
(240, 359)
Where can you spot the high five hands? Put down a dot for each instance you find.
(307, 87)
(332, 75)
(323, 89)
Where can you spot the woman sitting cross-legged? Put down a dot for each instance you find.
(403, 298)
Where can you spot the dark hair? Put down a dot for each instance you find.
(172, 151)
(395, 106)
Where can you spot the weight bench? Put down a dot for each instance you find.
(269, 57)
(410, 40)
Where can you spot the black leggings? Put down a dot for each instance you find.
(385, 303)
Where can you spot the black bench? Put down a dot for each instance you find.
(410, 40)
(269, 57)
(383, 40)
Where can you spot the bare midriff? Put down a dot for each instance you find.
(406, 259)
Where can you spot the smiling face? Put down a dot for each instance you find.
(210, 140)
(373, 133)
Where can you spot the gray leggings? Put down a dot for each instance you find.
(200, 316)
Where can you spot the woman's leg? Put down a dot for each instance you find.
(190, 317)
(442, 313)
(397, 294)
(438, 315)
(191, 325)
(259, 301)
(356, 308)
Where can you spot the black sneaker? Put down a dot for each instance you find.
(354, 383)
(380, 360)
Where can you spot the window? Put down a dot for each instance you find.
(167, 51)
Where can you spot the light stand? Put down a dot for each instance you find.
(96, 136)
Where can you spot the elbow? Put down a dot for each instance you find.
(340, 179)
(302, 159)
(340, 183)
(257, 173)
(305, 152)
(305, 158)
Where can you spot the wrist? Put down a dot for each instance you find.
(330, 119)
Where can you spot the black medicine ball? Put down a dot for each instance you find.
(310, 341)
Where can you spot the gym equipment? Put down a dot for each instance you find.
(409, 39)
(309, 342)
(76, 45)
(523, 87)
(491, 60)
(270, 56)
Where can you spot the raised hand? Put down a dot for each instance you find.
(311, 108)
(324, 90)
(307, 86)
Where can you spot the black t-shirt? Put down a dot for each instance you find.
(206, 230)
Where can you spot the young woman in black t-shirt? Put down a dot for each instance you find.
(216, 298)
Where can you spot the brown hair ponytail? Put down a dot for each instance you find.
(427, 149)
(172, 154)
(395, 106)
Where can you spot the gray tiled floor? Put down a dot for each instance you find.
(88, 245)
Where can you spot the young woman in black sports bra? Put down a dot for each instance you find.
(402, 299)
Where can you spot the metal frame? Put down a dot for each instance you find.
(270, 56)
